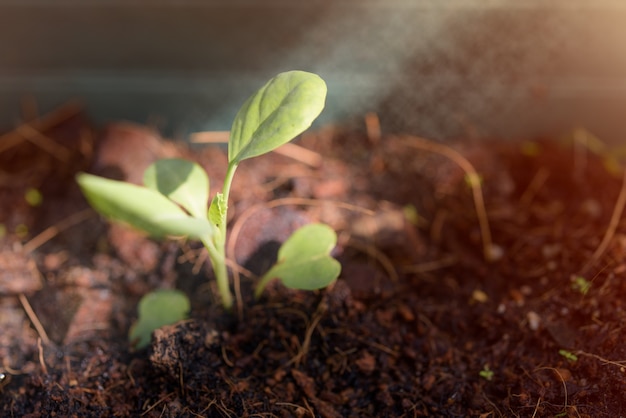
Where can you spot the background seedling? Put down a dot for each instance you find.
(568, 355)
(486, 373)
(156, 309)
(581, 285)
(304, 260)
(174, 199)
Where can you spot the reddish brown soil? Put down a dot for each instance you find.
(419, 324)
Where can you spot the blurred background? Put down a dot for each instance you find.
(442, 69)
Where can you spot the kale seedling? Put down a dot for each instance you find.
(176, 193)
(486, 373)
(156, 309)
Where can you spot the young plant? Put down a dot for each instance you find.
(304, 260)
(568, 355)
(581, 285)
(486, 373)
(176, 193)
(156, 309)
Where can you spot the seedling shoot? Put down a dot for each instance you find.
(173, 201)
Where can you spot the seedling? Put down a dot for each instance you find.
(156, 309)
(581, 285)
(174, 199)
(568, 355)
(304, 261)
(486, 373)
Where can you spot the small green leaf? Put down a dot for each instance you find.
(304, 260)
(581, 284)
(283, 108)
(568, 355)
(140, 207)
(486, 373)
(217, 210)
(156, 309)
(182, 181)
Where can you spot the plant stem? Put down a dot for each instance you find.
(221, 273)
(232, 167)
(217, 246)
(258, 291)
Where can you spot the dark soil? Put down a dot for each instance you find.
(419, 324)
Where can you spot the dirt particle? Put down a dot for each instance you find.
(304, 382)
(212, 338)
(366, 363)
(564, 374)
(18, 273)
(479, 296)
(534, 320)
(406, 313)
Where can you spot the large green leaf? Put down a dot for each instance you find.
(273, 116)
(157, 309)
(304, 260)
(182, 181)
(140, 207)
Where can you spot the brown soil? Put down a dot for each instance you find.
(419, 324)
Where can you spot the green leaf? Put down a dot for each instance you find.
(486, 373)
(273, 116)
(156, 309)
(304, 260)
(182, 181)
(581, 284)
(568, 355)
(140, 207)
(217, 210)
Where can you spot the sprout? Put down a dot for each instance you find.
(156, 309)
(173, 200)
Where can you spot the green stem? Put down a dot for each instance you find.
(217, 246)
(221, 273)
(260, 287)
(232, 167)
